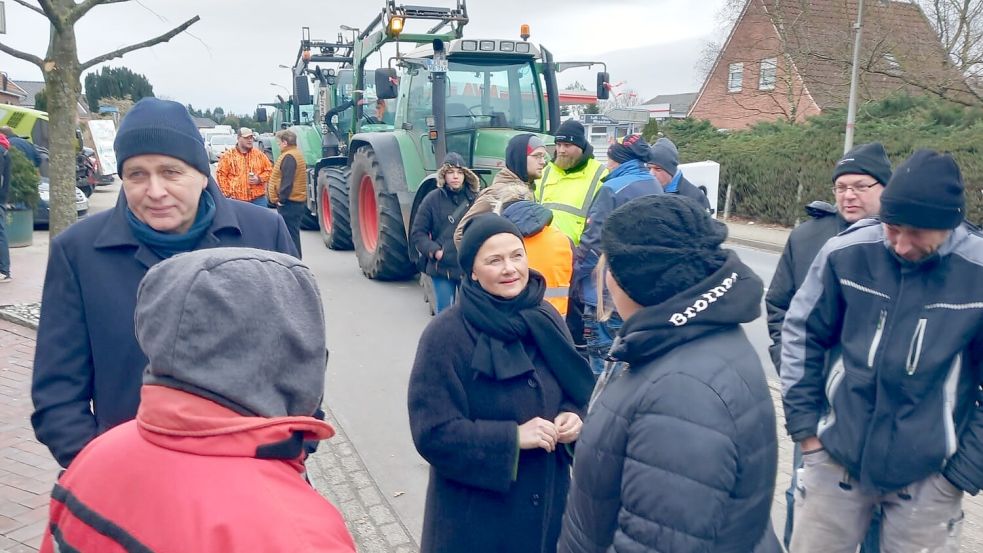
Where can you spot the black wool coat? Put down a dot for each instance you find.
(484, 495)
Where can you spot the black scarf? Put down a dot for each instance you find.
(503, 324)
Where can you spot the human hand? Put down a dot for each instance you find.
(810, 445)
(568, 427)
(253, 179)
(438, 255)
(537, 432)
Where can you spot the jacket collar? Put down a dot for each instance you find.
(180, 421)
(116, 230)
(630, 167)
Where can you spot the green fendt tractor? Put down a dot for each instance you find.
(324, 122)
(451, 93)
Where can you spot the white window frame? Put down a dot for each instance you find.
(735, 77)
(893, 65)
(767, 74)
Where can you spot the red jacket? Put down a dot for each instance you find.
(189, 475)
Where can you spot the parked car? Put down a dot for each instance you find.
(41, 212)
(218, 144)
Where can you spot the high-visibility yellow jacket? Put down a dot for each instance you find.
(569, 195)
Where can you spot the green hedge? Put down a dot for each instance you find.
(766, 164)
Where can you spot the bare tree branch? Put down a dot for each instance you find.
(31, 7)
(156, 40)
(83, 8)
(22, 55)
(54, 17)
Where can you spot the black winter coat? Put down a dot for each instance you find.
(800, 250)
(679, 451)
(87, 351)
(688, 189)
(484, 495)
(433, 227)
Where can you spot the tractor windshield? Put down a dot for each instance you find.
(482, 94)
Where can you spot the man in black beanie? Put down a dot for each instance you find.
(895, 306)
(568, 188)
(858, 180)
(88, 364)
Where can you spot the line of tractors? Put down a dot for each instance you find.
(373, 138)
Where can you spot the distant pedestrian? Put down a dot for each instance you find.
(214, 460)
(858, 180)
(87, 365)
(894, 419)
(678, 452)
(287, 189)
(627, 179)
(663, 164)
(568, 187)
(432, 234)
(495, 396)
(244, 171)
(24, 146)
(5, 163)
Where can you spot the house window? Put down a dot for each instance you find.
(735, 77)
(891, 62)
(766, 78)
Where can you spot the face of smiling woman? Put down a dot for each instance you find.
(501, 267)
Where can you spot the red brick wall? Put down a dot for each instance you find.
(753, 39)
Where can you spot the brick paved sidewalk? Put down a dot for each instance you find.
(27, 471)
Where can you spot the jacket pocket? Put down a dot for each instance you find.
(915, 348)
(877, 339)
(836, 375)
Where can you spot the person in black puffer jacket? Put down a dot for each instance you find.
(678, 452)
(432, 234)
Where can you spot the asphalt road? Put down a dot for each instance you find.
(373, 329)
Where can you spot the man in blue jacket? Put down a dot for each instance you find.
(894, 422)
(628, 179)
(88, 365)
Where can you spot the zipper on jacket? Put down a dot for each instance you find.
(915, 348)
(877, 339)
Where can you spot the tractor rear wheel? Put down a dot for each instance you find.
(377, 221)
(332, 207)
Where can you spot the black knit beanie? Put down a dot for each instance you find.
(628, 148)
(658, 246)
(926, 192)
(865, 159)
(163, 127)
(478, 230)
(572, 131)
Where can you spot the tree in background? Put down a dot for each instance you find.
(222, 117)
(41, 100)
(62, 72)
(115, 82)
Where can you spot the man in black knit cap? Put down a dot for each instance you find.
(858, 180)
(891, 420)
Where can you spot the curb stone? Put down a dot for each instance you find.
(337, 472)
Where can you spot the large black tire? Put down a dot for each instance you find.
(309, 221)
(332, 195)
(378, 234)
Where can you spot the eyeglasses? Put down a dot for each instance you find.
(855, 188)
(538, 156)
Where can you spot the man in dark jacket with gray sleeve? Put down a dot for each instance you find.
(858, 180)
(894, 422)
(88, 365)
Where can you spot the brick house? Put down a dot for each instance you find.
(791, 59)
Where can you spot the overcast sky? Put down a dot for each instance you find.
(230, 57)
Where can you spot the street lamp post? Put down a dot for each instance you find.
(851, 115)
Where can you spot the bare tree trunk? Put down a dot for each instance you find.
(61, 75)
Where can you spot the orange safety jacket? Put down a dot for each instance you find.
(550, 252)
(233, 171)
(298, 192)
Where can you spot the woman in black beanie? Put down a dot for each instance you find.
(678, 452)
(495, 398)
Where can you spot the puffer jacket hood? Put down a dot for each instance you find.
(529, 216)
(728, 297)
(470, 178)
(819, 209)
